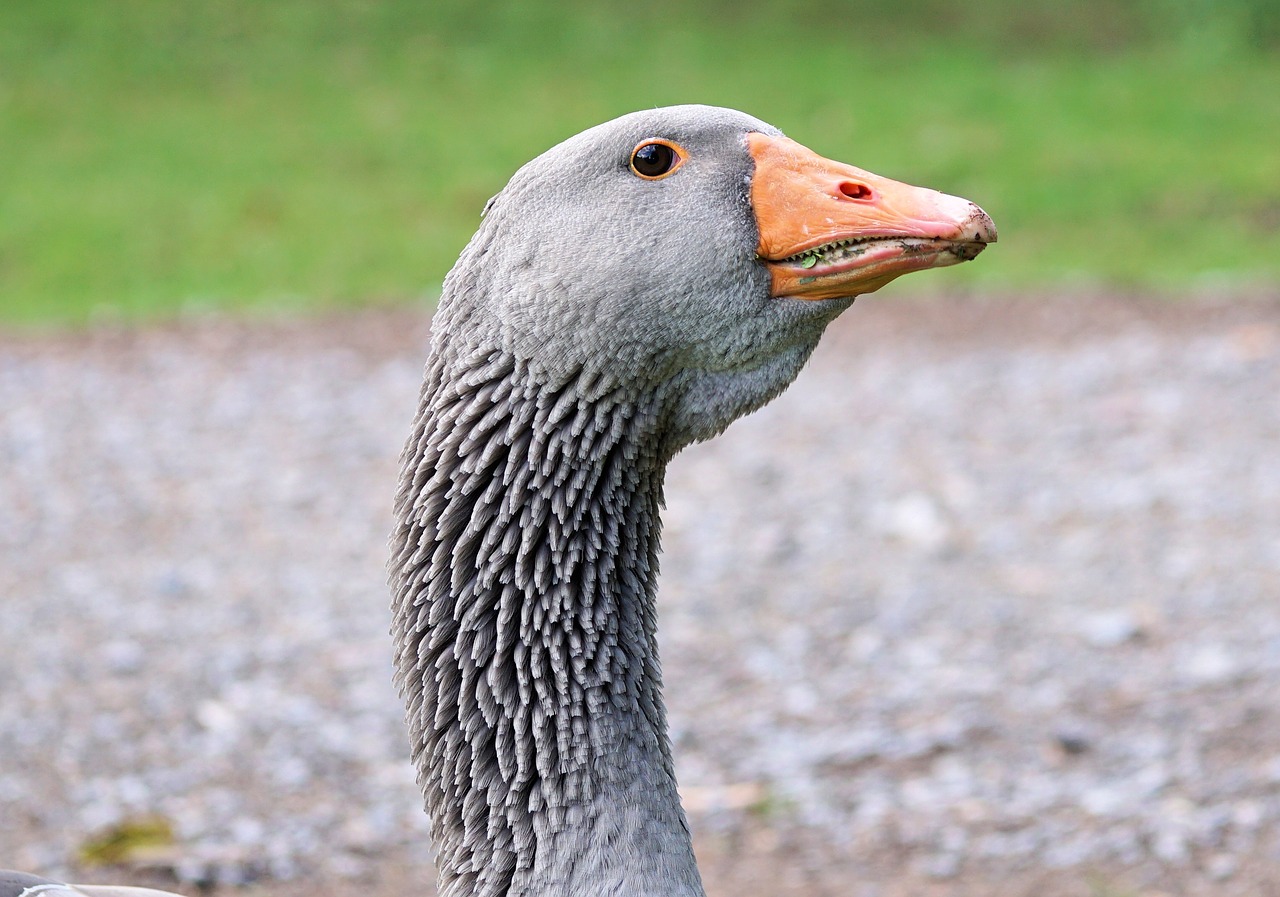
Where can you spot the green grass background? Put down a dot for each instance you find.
(159, 156)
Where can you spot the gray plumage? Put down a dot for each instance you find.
(595, 324)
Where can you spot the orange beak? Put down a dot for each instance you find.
(829, 230)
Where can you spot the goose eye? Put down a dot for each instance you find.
(655, 159)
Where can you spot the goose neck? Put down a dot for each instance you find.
(526, 636)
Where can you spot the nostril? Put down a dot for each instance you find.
(854, 190)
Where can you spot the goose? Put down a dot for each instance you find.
(629, 292)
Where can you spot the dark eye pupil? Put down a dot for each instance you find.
(653, 159)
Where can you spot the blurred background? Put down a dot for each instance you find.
(162, 157)
(988, 605)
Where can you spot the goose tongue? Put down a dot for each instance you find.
(829, 230)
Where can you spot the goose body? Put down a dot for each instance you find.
(20, 884)
(630, 291)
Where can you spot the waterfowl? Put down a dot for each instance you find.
(629, 292)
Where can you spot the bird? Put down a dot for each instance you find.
(629, 292)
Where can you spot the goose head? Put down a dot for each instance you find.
(692, 252)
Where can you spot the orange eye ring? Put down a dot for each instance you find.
(655, 159)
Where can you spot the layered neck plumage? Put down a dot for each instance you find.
(523, 569)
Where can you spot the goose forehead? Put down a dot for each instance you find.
(697, 125)
(692, 120)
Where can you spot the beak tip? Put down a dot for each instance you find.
(979, 228)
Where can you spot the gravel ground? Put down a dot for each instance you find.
(987, 604)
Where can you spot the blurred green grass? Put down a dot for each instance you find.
(161, 156)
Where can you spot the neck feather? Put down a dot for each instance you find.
(523, 570)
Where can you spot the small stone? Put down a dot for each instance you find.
(1072, 741)
(1110, 629)
(940, 866)
(915, 518)
(124, 656)
(1248, 815)
(1170, 845)
(1221, 866)
(246, 830)
(1103, 800)
(1211, 665)
(216, 716)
